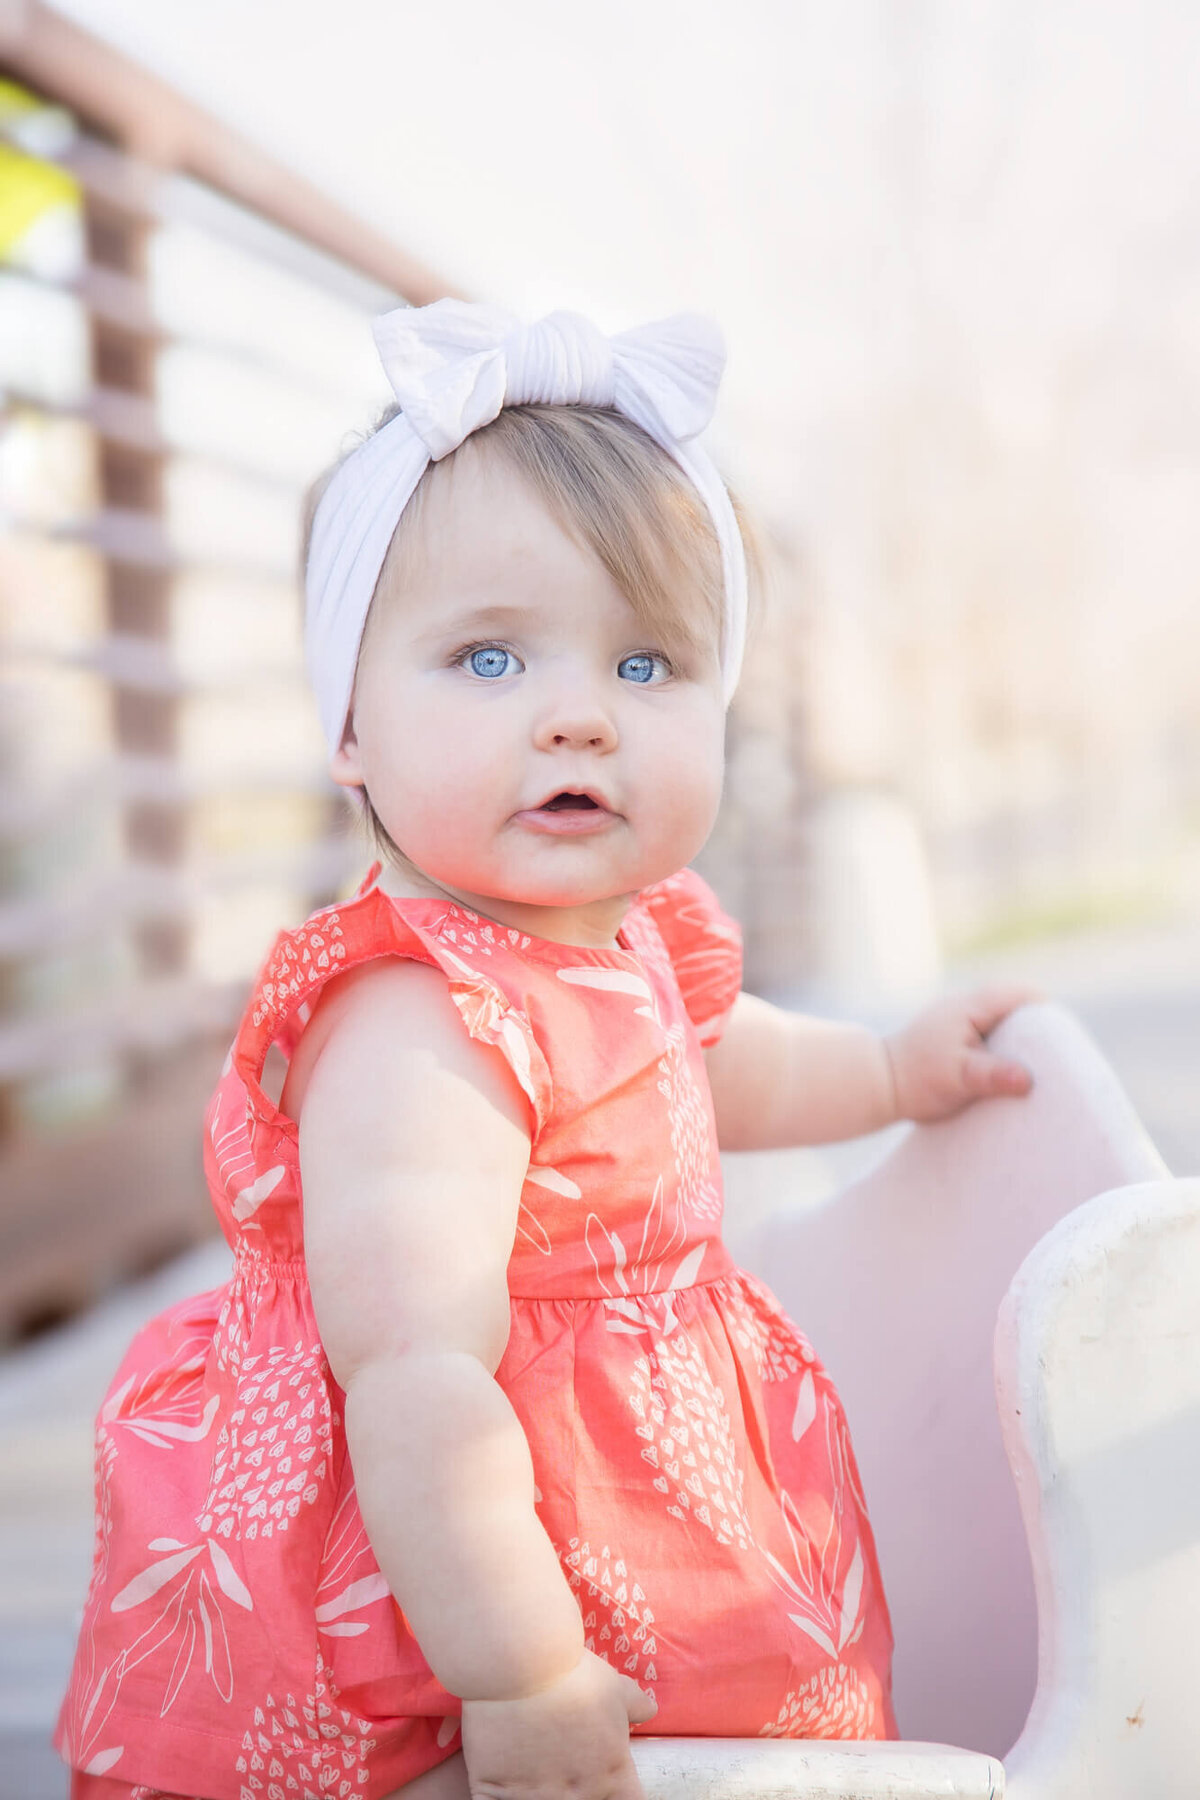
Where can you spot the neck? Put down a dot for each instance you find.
(592, 925)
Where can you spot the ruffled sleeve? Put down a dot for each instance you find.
(371, 926)
(704, 945)
(251, 1148)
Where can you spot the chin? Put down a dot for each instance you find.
(566, 887)
(563, 893)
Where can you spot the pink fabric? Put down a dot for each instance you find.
(103, 1787)
(692, 1460)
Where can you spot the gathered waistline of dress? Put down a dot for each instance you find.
(732, 1273)
(247, 1262)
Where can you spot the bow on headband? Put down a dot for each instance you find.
(453, 366)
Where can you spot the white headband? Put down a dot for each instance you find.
(453, 366)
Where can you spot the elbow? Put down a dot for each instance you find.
(367, 1324)
(400, 1358)
(433, 1403)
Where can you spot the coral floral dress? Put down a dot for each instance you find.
(692, 1462)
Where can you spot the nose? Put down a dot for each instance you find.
(575, 716)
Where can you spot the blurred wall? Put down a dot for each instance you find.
(975, 424)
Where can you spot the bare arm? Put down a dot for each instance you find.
(780, 1078)
(414, 1143)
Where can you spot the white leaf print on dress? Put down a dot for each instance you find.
(529, 1225)
(160, 1409)
(145, 1585)
(532, 1230)
(618, 1623)
(558, 1183)
(834, 1703)
(687, 1434)
(307, 1748)
(697, 1182)
(806, 1405)
(359, 1593)
(228, 1577)
(689, 1268)
(780, 1350)
(249, 1199)
(230, 1127)
(660, 1241)
(615, 981)
(159, 1431)
(825, 1580)
(105, 1760)
(654, 1269)
(350, 1579)
(190, 1617)
(273, 1454)
(296, 959)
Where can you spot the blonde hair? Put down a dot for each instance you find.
(618, 493)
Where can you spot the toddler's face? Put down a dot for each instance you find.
(510, 670)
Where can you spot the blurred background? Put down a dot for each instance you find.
(955, 249)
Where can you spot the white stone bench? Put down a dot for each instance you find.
(1077, 1465)
(780, 1769)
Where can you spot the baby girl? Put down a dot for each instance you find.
(488, 1454)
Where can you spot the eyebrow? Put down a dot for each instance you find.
(457, 623)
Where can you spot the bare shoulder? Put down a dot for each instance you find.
(414, 1144)
(381, 1014)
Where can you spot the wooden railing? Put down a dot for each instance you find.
(173, 369)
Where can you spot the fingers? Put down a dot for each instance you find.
(986, 1007)
(986, 1076)
(640, 1706)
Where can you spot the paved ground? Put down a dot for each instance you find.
(1139, 994)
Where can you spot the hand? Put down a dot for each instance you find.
(569, 1740)
(939, 1063)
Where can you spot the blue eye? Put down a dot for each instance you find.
(640, 666)
(489, 660)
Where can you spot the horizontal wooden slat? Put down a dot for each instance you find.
(132, 420)
(125, 304)
(117, 299)
(125, 418)
(125, 535)
(106, 173)
(161, 778)
(153, 1016)
(132, 537)
(136, 892)
(108, 1199)
(28, 810)
(149, 666)
(134, 662)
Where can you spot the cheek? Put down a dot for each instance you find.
(688, 765)
(415, 737)
(708, 779)
(441, 768)
(682, 798)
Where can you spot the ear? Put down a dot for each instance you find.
(345, 765)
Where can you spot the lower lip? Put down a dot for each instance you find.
(571, 822)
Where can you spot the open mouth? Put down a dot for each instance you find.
(568, 803)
